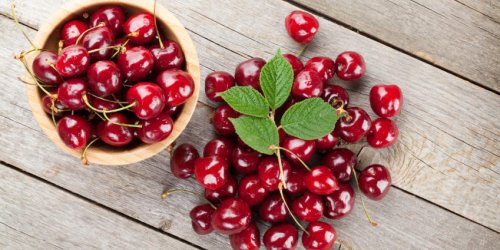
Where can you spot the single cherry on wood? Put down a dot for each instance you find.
(201, 219)
(216, 83)
(386, 100)
(320, 236)
(350, 66)
(232, 216)
(44, 68)
(74, 131)
(211, 172)
(177, 84)
(149, 100)
(104, 78)
(247, 73)
(114, 134)
(354, 125)
(339, 203)
(324, 66)
(73, 60)
(341, 161)
(182, 160)
(375, 181)
(71, 31)
(227, 191)
(281, 237)
(248, 239)
(301, 26)
(383, 133)
(155, 129)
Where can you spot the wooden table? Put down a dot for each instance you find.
(444, 54)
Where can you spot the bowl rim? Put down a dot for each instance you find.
(98, 155)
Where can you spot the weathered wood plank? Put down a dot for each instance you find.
(461, 36)
(37, 215)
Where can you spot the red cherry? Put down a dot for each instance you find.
(386, 100)
(327, 142)
(135, 63)
(320, 180)
(245, 160)
(221, 120)
(350, 66)
(71, 31)
(70, 93)
(383, 133)
(227, 191)
(341, 162)
(301, 26)
(99, 38)
(104, 78)
(354, 125)
(216, 83)
(247, 73)
(140, 28)
(308, 207)
(221, 147)
(335, 95)
(339, 203)
(295, 183)
(114, 134)
(173, 111)
(281, 237)
(149, 99)
(177, 84)
(251, 190)
(273, 209)
(321, 236)
(102, 104)
(168, 57)
(155, 129)
(182, 161)
(112, 16)
(307, 84)
(302, 148)
(43, 68)
(73, 61)
(232, 217)
(211, 172)
(324, 66)
(74, 131)
(269, 172)
(375, 181)
(248, 239)
(201, 217)
(123, 42)
(47, 106)
(297, 65)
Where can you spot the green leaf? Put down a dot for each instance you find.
(257, 133)
(246, 100)
(276, 80)
(309, 119)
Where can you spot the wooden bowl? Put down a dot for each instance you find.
(48, 37)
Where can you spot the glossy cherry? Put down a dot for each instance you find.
(211, 172)
(354, 125)
(247, 73)
(281, 237)
(327, 142)
(149, 100)
(114, 134)
(320, 180)
(308, 207)
(74, 131)
(221, 120)
(222, 147)
(168, 57)
(43, 68)
(177, 84)
(296, 63)
(173, 111)
(335, 95)
(99, 38)
(140, 28)
(71, 31)
(383, 133)
(112, 17)
(245, 160)
(324, 66)
(301, 148)
(104, 78)
(375, 181)
(273, 209)
(339, 203)
(135, 63)
(321, 236)
(216, 83)
(341, 161)
(201, 219)
(386, 100)
(70, 93)
(295, 183)
(307, 84)
(227, 191)
(73, 61)
(251, 190)
(269, 172)
(182, 160)
(155, 129)
(232, 216)
(350, 66)
(301, 26)
(47, 106)
(248, 239)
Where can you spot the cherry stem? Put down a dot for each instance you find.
(292, 153)
(156, 26)
(34, 78)
(373, 223)
(341, 111)
(109, 47)
(121, 124)
(86, 100)
(87, 31)
(52, 111)
(84, 153)
(24, 53)
(12, 8)
(280, 188)
(302, 50)
(165, 194)
(104, 99)
(122, 48)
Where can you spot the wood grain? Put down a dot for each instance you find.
(36, 215)
(461, 36)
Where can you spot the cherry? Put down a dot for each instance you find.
(383, 133)
(140, 28)
(375, 181)
(281, 237)
(307, 84)
(273, 209)
(251, 190)
(350, 66)
(341, 161)
(321, 236)
(339, 203)
(295, 183)
(386, 100)
(73, 61)
(301, 26)
(301, 148)
(221, 120)
(173, 111)
(269, 172)
(155, 129)
(104, 78)
(167, 57)
(135, 63)
(149, 99)
(201, 217)
(114, 134)
(245, 160)
(327, 142)
(228, 190)
(221, 146)
(182, 161)
(247, 73)
(216, 83)
(43, 68)
(74, 131)
(47, 106)
(308, 207)
(336, 95)
(101, 104)
(99, 38)
(324, 66)
(112, 16)
(70, 93)
(123, 42)
(248, 239)
(211, 172)
(71, 31)
(297, 65)
(354, 125)
(177, 84)
(232, 217)
(320, 180)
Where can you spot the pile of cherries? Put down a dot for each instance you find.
(113, 79)
(242, 186)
